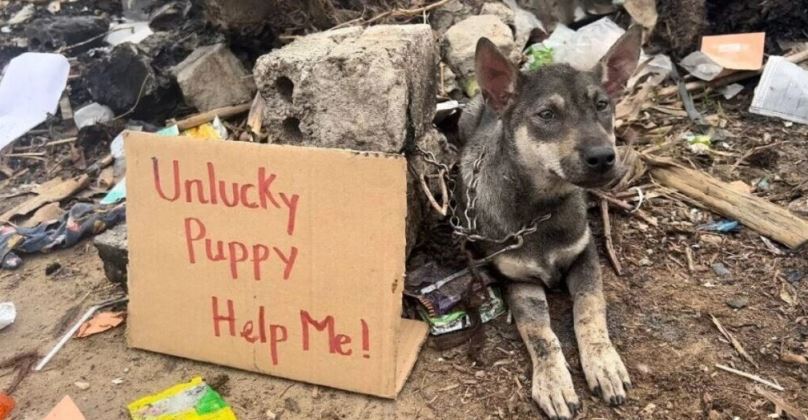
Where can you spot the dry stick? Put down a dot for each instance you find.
(25, 155)
(607, 232)
(224, 112)
(62, 141)
(782, 405)
(394, 13)
(735, 343)
(625, 206)
(752, 152)
(137, 101)
(732, 78)
(755, 378)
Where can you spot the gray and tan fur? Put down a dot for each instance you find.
(545, 136)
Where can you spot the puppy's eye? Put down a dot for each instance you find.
(546, 115)
(601, 104)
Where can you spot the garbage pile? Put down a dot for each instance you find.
(79, 73)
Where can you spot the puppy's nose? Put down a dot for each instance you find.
(599, 159)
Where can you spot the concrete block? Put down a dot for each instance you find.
(362, 89)
(212, 77)
(114, 252)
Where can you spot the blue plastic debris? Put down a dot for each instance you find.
(722, 226)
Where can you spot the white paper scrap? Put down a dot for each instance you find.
(29, 91)
(782, 91)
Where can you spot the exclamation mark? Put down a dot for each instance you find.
(365, 339)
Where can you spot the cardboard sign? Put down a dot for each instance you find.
(735, 51)
(277, 259)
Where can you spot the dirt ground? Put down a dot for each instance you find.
(659, 315)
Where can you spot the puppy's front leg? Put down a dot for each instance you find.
(552, 385)
(604, 370)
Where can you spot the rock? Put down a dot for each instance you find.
(52, 268)
(126, 81)
(23, 15)
(82, 385)
(720, 269)
(52, 33)
(460, 41)
(114, 252)
(799, 206)
(738, 302)
(443, 17)
(362, 89)
(212, 77)
(500, 10)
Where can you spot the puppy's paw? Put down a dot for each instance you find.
(552, 388)
(605, 373)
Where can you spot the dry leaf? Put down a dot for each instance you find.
(788, 294)
(101, 322)
(794, 358)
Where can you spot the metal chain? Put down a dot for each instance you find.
(469, 232)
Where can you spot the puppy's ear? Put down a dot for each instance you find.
(617, 66)
(496, 75)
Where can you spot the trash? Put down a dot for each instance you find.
(48, 192)
(738, 302)
(52, 268)
(538, 55)
(116, 194)
(133, 32)
(65, 410)
(23, 15)
(720, 269)
(699, 144)
(6, 406)
(82, 220)
(117, 381)
(46, 213)
(91, 114)
(101, 322)
(735, 51)
(781, 91)
(730, 91)
(459, 319)
(212, 77)
(722, 226)
(188, 401)
(8, 313)
(702, 66)
(445, 110)
(55, 6)
(69, 334)
(583, 48)
(30, 90)
(209, 131)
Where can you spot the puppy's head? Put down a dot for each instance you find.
(560, 119)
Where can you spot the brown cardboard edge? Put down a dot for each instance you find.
(411, 336)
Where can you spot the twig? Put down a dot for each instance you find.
(22, 365)
(691, 267)
(62, 141)
(25, 155)
(752, 152)
(224, 112)
(735, 343)
(607, 232)
(443, 208)
(397, 13)
(137, 102)
(781, 405)
(755, 378)
(625, 206)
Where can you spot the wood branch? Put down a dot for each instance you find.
(607, 232)
(735, 343)
(781, 405)
(626, 206)
(224, 112)
(755, 378)
(758, 214)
